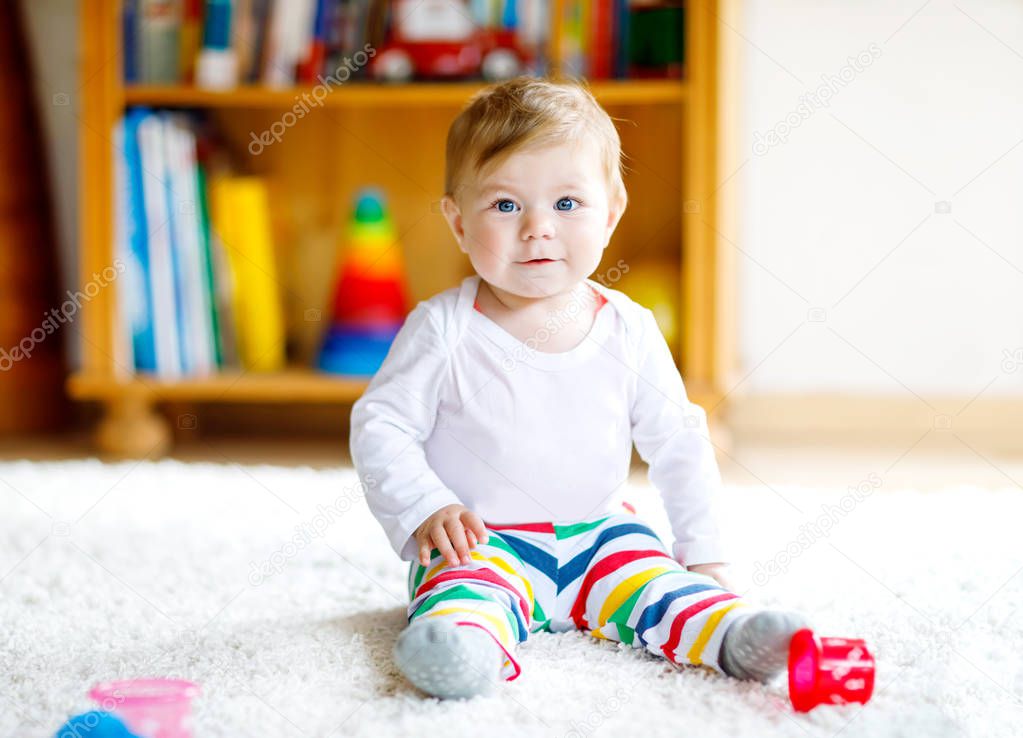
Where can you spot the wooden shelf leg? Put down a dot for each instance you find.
(131, 428)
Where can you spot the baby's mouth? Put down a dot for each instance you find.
(538, 261)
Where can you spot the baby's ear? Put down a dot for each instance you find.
(615, 211)
(453, 215)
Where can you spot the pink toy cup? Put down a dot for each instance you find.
(151, 708)
(833, 671)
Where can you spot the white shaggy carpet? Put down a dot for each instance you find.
(116, 571)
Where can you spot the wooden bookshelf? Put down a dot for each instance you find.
(295, 384)
(368, 94)
(393, 136)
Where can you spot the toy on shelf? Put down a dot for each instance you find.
(828, 671)
(444, 39)
(150, 708)
(370, 302)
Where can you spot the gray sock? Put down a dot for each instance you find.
(447, 660)
(756, 646)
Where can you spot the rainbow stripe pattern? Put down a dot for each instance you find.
(611, 577)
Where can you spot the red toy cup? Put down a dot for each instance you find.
(833, 671)
(154, 708)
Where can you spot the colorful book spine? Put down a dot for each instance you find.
(480, 11)
(225, 288)
(129, 40)
(600, 40)
(533, 32)
(510, 15)
(123, 329)
(159, 25)
(621, 64)
(240, 207)
(191, 38)
(176, 246)
(195, 330)
(173, 303)
(210, 278)
(260, 20)
(312, 63)
(217, 66)
(136, 287)
(161, 269)
(574, 36)
(290, 34)
(243, 32)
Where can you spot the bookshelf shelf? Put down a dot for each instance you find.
(364, 94)
(295, 384)
(392, 136)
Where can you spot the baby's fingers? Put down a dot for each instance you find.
(425, 546)
(475, 524)
(424, 553)
(456, 534)
(440, 539)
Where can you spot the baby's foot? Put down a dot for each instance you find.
(756, 646)
(447, 660)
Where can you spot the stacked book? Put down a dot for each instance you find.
(198, 290)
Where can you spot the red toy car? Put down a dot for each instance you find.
(438, 39)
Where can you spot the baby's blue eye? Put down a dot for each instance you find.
(565, 203)
(501, 206)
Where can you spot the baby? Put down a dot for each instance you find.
(498, 429)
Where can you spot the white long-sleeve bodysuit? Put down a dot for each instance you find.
(463, 412)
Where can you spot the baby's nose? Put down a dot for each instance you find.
(537, 225)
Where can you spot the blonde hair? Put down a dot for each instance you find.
(529, 112)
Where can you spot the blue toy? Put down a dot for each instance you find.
(94, 724)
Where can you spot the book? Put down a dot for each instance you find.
(159, 41)
(657, 39)
(600, 40)
(129, 40)
(312, 61)
(191, 38)
(215, 279)
(198, 289)
(123, 330)
(134, 288)
(289, 36)
(621, 50)
(195, 328)
(216, 67)
(533, 33)
(574, 37)
(240, 217)
(259, 15)
(161, 273)
(243, 31)
(225, 288)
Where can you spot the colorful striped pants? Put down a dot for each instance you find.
(611, 577)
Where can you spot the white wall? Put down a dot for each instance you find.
(936, 116)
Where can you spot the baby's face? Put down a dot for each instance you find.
(537, 224)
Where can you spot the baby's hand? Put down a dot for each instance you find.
(453, 530)
(718, 572)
